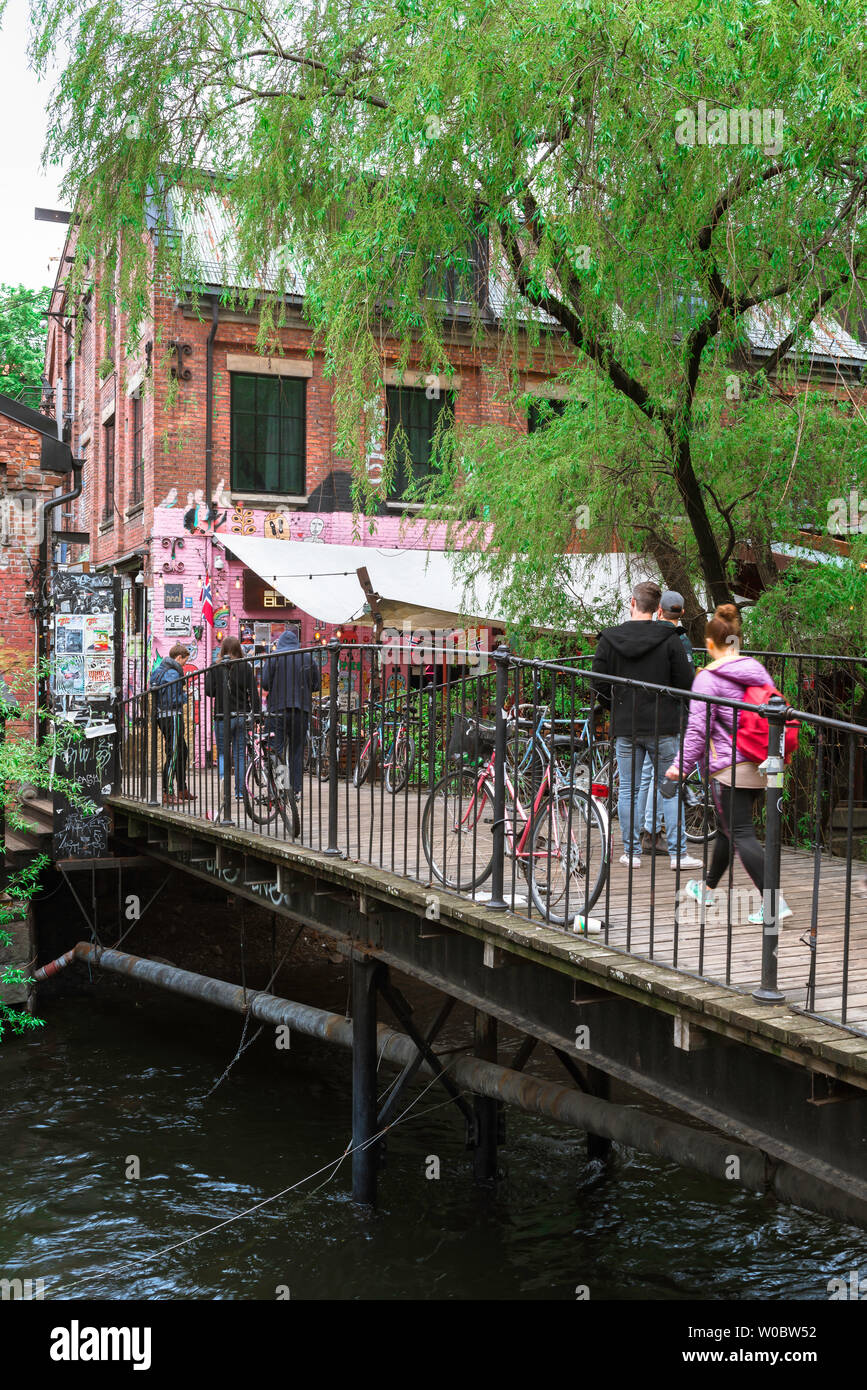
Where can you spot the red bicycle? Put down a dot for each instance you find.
(560, 841)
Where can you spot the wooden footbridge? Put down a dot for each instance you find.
(658, 995)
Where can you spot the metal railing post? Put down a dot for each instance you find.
(334, 675)
(153, 798)
(768, 993)
(498, 902)
(225, 700)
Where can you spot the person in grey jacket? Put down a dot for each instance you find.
(290, 676)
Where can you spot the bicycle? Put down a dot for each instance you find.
(316, 757)
(560, 841)
(398, 752)
(268, 793)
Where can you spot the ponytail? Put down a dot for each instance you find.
(725, 627)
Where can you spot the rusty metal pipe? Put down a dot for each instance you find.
(711, 1154)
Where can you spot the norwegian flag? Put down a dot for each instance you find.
(206, 600)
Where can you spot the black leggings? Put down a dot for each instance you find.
(734, 814)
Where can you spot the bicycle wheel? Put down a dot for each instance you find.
(699, 819)
(364, 764)
(568, 856)
(457, 830)
(284, 797)
(400, 764)
(321, 766)
(259, 791)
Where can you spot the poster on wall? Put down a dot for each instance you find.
(98, 632)
(70, 632)
(178, 623)
(69, 674)
(97, 676)
(173, 596)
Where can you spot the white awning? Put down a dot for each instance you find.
(420, 587)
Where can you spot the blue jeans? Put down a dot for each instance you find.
(632, 760)
(665, 810)
(238, 754)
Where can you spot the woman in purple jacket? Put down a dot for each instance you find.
(735, 781)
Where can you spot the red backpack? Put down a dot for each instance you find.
(752, 736)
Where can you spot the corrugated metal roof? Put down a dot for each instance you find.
(769, 324)
(211, 257)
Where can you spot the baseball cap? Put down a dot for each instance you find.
(671, 601)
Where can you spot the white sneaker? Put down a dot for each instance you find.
(634, 860)
(702, 895)
(783, 911)
(686, 861)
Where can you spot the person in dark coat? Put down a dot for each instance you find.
(290, 676)
(244, 699)
(641, 727)
(171, 697)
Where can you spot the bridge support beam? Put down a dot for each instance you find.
(485, 1108)
(365, 1154)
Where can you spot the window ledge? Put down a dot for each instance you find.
(268, 498)
(135, 510)
(106, 526)
(405, 506)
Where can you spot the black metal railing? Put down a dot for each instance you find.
(537, 787)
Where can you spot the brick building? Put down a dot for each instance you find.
(34, 467)
(161, 487)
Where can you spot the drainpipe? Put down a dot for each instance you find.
(45, 561)
(209, 455)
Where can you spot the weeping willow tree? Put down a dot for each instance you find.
(626, 189)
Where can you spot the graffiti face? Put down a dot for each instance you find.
(277, 525)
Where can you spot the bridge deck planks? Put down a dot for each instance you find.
(376, 828)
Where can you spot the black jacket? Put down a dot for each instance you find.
(643, 651)
(290, 675)
(243, 690)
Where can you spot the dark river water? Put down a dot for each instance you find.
(122, 1073)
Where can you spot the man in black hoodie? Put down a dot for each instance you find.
(290, 676)
(640, 727)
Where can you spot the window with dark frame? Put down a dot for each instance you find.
(137, 492)
(410, 411)
(108, 470)
(541, 412)
(269, 434)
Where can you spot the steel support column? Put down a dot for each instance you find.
(486, 1109)
(365, 1155)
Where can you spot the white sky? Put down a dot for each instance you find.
(25, 246)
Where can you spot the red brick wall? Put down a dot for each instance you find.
(20, 473)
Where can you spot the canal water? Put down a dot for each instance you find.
(122, 1074)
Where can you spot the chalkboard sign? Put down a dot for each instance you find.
(91, 763)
